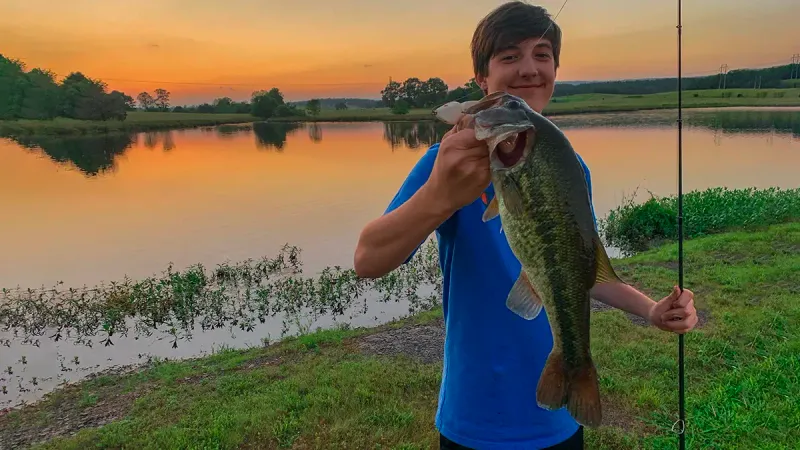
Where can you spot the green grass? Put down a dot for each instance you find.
(136, 121)
(317, 391)
(635, 226)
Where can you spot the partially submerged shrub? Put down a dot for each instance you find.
(635, 227)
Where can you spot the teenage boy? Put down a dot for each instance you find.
(492, 357)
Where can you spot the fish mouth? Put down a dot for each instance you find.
(509, 149)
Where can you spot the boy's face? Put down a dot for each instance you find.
(526, 70)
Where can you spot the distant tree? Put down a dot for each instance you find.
(265, 103)
(12, 81)
(432, 92)
(401, 107)
(114, 106)
(276, 94)
(205, 108)
(162, 99)
(223, 105)
(410, 91)
(146, 101)
(130, 103)
(390, 94)
(341, 106)
(82, 97)
(313, 107)
(287, 110)
(41, 95)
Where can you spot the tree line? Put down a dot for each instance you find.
(35, 94)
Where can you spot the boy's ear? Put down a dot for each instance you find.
(481, 80)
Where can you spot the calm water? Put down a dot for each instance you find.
(87, 210)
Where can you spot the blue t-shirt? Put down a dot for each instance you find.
(492, 357)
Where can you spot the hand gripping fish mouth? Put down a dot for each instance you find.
(502, 121)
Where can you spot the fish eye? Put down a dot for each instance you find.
(513, 104)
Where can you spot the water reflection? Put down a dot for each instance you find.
(314, 132)
(92, 155)
(749, 121)
(273, 135)
(413, 134)
(95, 155)
(153, 139)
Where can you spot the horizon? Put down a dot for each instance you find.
(201, 52)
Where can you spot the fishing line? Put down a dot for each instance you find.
(681, 423)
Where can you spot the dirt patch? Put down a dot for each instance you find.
(67, 411)
(617, 416)
(424, 342)
(599, 306)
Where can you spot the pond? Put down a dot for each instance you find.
(88, 210)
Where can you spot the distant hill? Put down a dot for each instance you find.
(330, 103)
(769, 77)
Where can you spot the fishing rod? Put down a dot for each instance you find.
(681, 423)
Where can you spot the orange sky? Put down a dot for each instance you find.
(202, 49)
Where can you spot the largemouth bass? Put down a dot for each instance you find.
(542, 200)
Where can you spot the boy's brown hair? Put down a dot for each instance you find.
(510, 24)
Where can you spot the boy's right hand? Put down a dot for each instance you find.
(461, 170)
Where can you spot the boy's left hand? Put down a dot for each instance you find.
(675, 312)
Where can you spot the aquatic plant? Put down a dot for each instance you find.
(231, 295)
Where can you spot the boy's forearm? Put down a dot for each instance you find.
(387, 241)
(624, 297)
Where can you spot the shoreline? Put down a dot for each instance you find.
(379, 384)
(138, 121)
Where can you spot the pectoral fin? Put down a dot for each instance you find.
(492, 210)
(512, 197)
(523, 299)
(605, 272)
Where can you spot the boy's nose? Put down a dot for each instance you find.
(527, 68)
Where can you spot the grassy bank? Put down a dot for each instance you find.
(136, 121)
(377, 387)
(575, 104)
(594, 103)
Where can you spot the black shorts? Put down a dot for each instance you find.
(575, 442)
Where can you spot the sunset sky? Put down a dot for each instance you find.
(202, 49)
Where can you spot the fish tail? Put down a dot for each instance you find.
(579, 391)
(584, 396)
(552, 390)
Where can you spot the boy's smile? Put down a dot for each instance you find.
(526, 70)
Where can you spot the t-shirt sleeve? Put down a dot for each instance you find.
(416, 178)
(588, 176)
